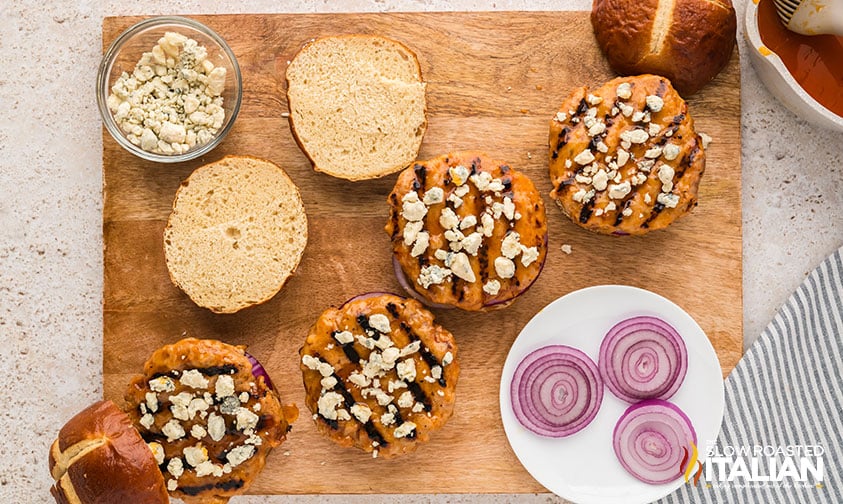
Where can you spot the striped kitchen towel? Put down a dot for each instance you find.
(784, 401)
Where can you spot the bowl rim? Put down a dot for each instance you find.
(753, 36)
(103, 88)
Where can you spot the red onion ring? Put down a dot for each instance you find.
(258, 370)
(643, 358)
(556, 391)
(650, 440)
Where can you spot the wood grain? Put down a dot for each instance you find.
(494, 81)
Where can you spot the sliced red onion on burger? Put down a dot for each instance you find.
(652, 439)
(258, 370)
(643, 358)
(556, 391)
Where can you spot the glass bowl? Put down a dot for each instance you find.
(123, 55)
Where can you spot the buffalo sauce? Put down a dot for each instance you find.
(816, 62)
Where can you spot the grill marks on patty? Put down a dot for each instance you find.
(570, 137)
(344, 365)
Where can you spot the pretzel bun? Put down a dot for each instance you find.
(687, 41)
(100, 458)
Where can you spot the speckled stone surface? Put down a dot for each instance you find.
(50, 212)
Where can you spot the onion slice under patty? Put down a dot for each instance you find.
(258, 370)
(651, 439)
(643, 358)
(556, 391)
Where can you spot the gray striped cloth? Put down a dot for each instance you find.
(786, 391)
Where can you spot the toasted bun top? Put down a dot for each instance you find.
(237, 232)
(357, 105)
(99, 457)
(687, 41)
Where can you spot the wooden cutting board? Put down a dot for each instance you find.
(494, 81)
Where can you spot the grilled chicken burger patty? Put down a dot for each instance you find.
(379, 374)
(207, 419)
(625, 158)
(467, 231)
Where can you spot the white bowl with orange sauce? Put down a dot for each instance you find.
(804, 73)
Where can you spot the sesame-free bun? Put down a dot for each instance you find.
(236, 233)
(357, 105)
(99, 458)
(687, 41)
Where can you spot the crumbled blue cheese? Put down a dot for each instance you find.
(328, 403)
(529, 255)
(585, 157)
(459, 174)
(175, 467)
(600, 180)
(162, 384)
(492, 287)
(421, 244)
(358, 379)
(151, 401)
(618, 191)
(157, 452)
(468, 221)
(147, 420)
(208, 468)
(560, 117)
(406, 400)
(380, 323)
(666, 174)
(240, 454)
(653, 152)
(433, 274)
(198, 432)
(668, 200)
(171, 102)
(461, 267)
(413, 209)
(329, 382)
(448, 219)
(411, 348)
(224, 386)
(433, 196)
(310, 362)
(406, 369)
(404, 430)
(481, 180)
(387, 419)
(194, 379)
(654, 103)
(173, 430)
(471, 243)
(510, 246)
(624, 91)
(344, 337)
(671, 151)
(504, 267)
(216, 426)
(636, 136)
(361, 412)
(411, 232)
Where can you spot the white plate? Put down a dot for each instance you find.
(583, 467)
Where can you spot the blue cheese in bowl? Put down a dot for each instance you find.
(172, 101)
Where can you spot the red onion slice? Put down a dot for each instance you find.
(643, 358)
(650, 440)
(556, 391)
(258, 370)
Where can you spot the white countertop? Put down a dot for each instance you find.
(50, 211)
